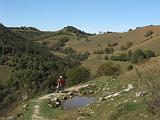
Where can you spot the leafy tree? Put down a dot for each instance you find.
(134, 57)
(121, 57)
(108, 69)
(77, 75)
(34, 67)
(137, 56)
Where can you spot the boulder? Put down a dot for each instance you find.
(12, 118)
(25, 105)
(54, 102)
(64, 98)
(142, 93)
(55, 99)
(71, 93)
(50, 105)
(57, 104)
(130, 86)
(101, 99)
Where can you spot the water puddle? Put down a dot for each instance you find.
(77, 102)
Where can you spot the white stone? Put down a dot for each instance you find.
(50, 105)
(128, 88)
(135, 101)
(138, 94)
(54, 99)
(25, 105)
(57, 103)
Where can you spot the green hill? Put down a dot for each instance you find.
(31, 61)
(29, 67)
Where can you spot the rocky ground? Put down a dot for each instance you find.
(116, 98)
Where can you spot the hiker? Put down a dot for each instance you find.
(60, 84)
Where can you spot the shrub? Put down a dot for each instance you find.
(148, 33)
(77, 75)
(113, 44)
(149, 54)
(106, 57)
(99, 51)
(138, 27)
(137, 56)
(121, 57)
(126, 46)
(134, 57)
(109, 50)
(3, 59)
(130, 67)
(60, 44)
(108, 69)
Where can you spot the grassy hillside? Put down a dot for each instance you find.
(31, 60)
(82, 42)
(27, 67)
(114, 100)
(101, 41)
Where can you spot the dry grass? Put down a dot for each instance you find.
(136, 37)
(4, 72)
(95, 60)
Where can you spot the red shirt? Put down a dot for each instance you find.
(60, 82)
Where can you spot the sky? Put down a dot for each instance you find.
(88, 15)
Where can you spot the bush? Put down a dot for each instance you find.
(109, 50)
(148, 33)
(99, 51)
(77, 75)
(134, 57)
(108, 69)
(149, 54)
(121, 57)
(3, 59)
(106, 57)
(137, 56)
(113, 44)
(126, 46)
(130, 67)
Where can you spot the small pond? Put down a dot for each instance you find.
(77, 102)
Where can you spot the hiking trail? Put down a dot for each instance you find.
(39, 100)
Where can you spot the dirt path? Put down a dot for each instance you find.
(39, 100)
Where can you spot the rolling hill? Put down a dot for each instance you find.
(32, 59)
(82, 42)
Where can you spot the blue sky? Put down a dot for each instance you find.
(88, 15)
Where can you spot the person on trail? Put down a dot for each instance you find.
(60, 84)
